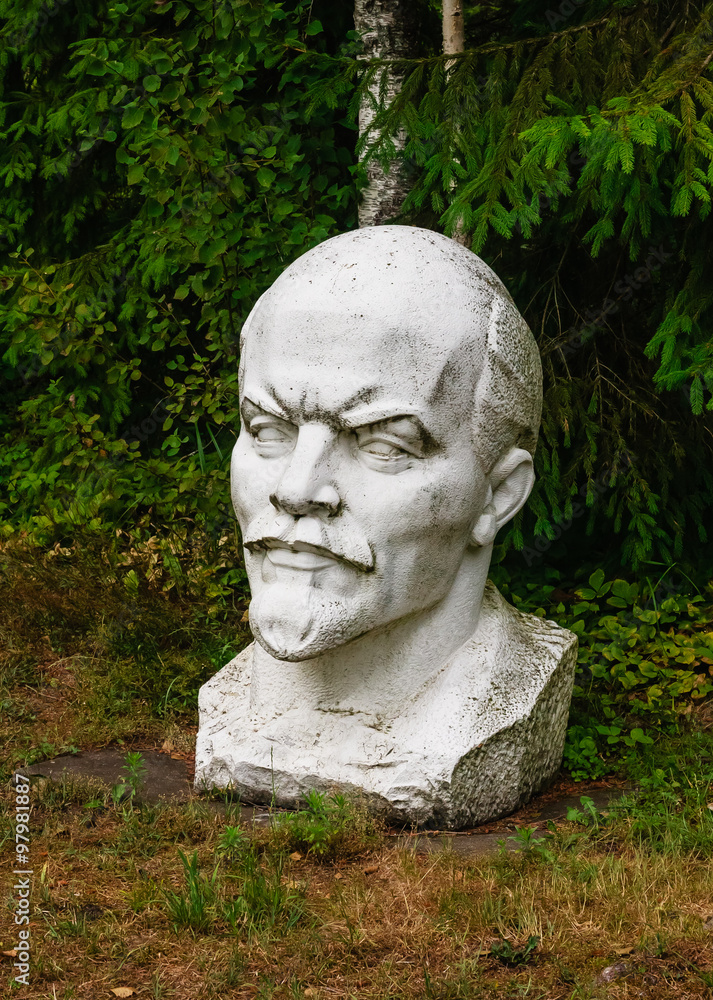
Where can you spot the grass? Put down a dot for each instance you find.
(329, 826)
(189, 901)
(84, 661)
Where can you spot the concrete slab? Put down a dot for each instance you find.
(168, 779)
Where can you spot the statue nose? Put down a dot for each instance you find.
(325, 500)
(306, 486)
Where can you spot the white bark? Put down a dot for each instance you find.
(453, 42)
(387, 31)
(453, 31)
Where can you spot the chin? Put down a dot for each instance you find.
(295, 624)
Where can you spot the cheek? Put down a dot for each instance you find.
(252, 480)
(443, 505)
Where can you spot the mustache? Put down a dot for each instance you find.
(343, 541)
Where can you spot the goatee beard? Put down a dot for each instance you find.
(295, 623)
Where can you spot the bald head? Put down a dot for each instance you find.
(397, 316)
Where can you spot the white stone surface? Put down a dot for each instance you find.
(390, 396)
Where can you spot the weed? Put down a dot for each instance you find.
(525, 840)
(509, 954)
(233, 843)
(589, 815)
(144, 894)
(263, 900)
(134, 775)
(330, 826)
(195, 907)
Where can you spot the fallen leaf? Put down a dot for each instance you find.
(309, 992)
(9, 954)
(246, 616)
(176, 756)
(338, 875)
(624, 951)
(123, 991)
(296, 856)
(370, 869)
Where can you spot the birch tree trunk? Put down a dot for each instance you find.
(453, 42)
(453, 31)
(388, 31)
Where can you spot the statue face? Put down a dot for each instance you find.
(354, 478)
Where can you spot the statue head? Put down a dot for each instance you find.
(390, 396)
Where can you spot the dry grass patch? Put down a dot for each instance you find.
(382, 923)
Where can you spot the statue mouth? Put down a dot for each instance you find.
(301, 555)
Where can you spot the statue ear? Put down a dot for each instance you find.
(511, 481)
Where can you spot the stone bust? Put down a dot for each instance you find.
(390, 398)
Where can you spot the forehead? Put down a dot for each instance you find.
(369, 327)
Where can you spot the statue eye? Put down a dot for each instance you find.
(391, 445)
(266, 433)
(271, 437)
(382, 449)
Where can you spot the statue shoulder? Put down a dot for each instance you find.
(232, 679)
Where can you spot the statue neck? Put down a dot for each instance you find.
(377, 673)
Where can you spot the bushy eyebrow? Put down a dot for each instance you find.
(263, 407)
(357, 421)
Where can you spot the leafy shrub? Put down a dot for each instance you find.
(182, 163)
(161, 163)
(645, 657)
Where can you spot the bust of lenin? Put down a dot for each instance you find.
(390, 398)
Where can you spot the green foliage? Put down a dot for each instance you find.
(645, 658)
(670, 811)
(510, 954)
(580, 144)
(525, 839)
(233, 843)
(194, 907)
(133, 776)
(164, 164)
(588, 815)
(329, 826)
(251, 897)
(263, 901)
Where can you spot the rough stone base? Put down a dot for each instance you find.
(476, 742)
